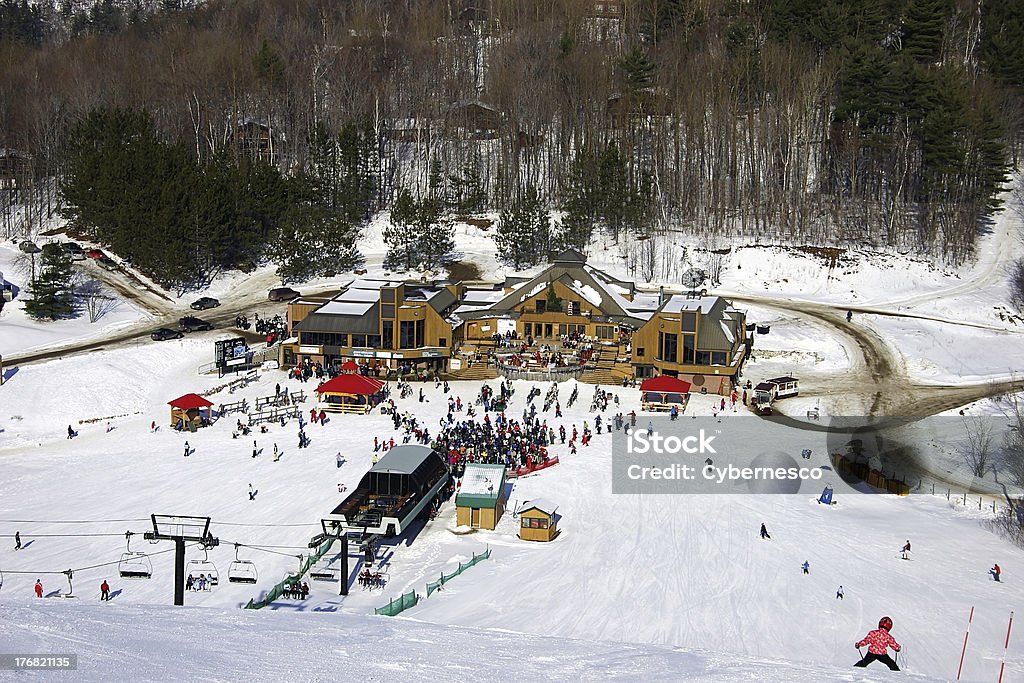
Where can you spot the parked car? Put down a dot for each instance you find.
(165, 333)
(29, 247)
(282, 294)
(74, 250)
(95, 254)
(193, 324)
(107, 263)
(202, 303)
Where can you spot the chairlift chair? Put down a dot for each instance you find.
(242, 571)
(134, 565)
(203, 567)
(323, 571)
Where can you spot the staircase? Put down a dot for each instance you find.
(477, 372)
(606, 371)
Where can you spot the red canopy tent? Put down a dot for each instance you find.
(190, 411)
(349, 393)
(350, 366)
(663, 392)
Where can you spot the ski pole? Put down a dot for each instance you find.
(1005, 645)
(964, 650)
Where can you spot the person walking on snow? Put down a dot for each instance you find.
(187, 449)
(905, 549)
(39, 589)
(104, 590)
(764, 532)
(878, 642)
(839, 593)
(996, 571)
(806, 567)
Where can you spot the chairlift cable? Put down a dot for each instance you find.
(82, 569)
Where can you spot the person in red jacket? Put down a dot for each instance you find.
(104, 590)
(39, 589)
(878, 642)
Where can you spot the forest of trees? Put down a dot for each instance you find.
(889, 123)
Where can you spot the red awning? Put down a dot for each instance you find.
(190, 401)
(664, 384)
(349, 366)
(350, 384)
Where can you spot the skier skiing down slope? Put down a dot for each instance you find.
(878, 642)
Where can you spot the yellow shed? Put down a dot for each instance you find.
(538, 521)
(480, 500)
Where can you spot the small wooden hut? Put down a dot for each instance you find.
(191, 411)
(538, 521)
(349, 393)
(480, 501)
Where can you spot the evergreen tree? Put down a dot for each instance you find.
(923, 24)
(419, 234)
(1002, 40)
(400, 233)
(52, 293)
(523, 234)
(638, 71)
(552, 303)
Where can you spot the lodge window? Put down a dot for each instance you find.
(442, 341)
(668, 347)
(406, 334)
(323, 339)
(421, 328)
(387, 296)
(703, 358)
(541, 305)
(719, 358)
(387, 310)
(531, 523)
(527, 329)
(689, 345)
(387, 336)
(573, 308)
(571, 329)
(605, 332)
(689, 322)
(373, 341)
(640, 352)
(358, 340)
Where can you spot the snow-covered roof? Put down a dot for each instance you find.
(481, 480)
(680, 302)
(482, 296)
(345, 308)
(542, 504)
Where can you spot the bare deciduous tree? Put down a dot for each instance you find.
(976, 448)
(95, 299)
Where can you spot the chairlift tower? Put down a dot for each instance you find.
(181, 528)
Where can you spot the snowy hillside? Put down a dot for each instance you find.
(133, 643)
(676, 571)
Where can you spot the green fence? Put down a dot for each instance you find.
(463, 566)
(398, 605)
(276, 592)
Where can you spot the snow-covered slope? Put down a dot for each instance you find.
(680, 571)
(160, 644)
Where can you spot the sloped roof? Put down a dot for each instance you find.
(574, 275)
(350, 366)
(350, 384)
(190, 401)
(570, 256)
(665, 384)
(542, 504)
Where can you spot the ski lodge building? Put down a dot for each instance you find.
(698, 338)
